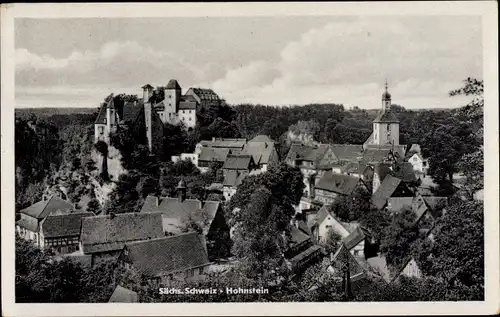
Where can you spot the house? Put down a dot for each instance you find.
(179, 215)
(104, 236)
(186, 157)
(61, 233)
(390, 187)
(241, 162)
(331, 185)
(165, 260)
(234, 144)
(209, 155)
(232, 180)
(426, 208)
(123, 295)
(29, 225)
(343, 260)
(418, 163)
(301, 251)
(177, 108)
(138, 116)
(263, 151)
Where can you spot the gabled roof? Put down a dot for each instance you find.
(188, 209)
(147, 86)
(347, 152)
(307, 153)
(101, 117)
(64, 225)
(44, 208)
(213, 154)
(234, 178)
(404, 171)
(339, 260)
(26, 224)
(382, 170)
(384, 191)
(205, 94)
(131, 111)
(297, 235)
(173, 84)
(386, 117)
(123, 295)
(261, 151)
(309, 252)
(415, 148)
(374, 155)
(109, 233)
(338, 183)
(224, 143)
(238, 162)
(353, 239)
(159, 257)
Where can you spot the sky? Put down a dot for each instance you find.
(286, 60)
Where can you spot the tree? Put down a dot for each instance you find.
(398, 237)
(94, 206)
(333, 241)
(353, 207)
(457, 255)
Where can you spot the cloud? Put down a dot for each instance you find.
(114, 64)
(347, 62)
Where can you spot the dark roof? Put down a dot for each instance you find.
(386, 117)
(338, 183)
(187, 105)
(311, 251)
(374, 155)
(162, 256)
(64, 225)
(382, 170)
(234, 178)
(108, 233)
(44, 208)
(173, 84)
(123, 295)
(205, 94)
(404, 171)
(213, 154)
(101, 117)
(339, 261)
(322, 214)
(224, 143)
(188, 209)
(355, 237)
(147, 86)
(238, 162)
(384, 191)
(261, 151)
(347, 152)
(379, 265)
(131, 111)
(307, 153)
(297, 235)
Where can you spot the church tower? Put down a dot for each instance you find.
(386, 125)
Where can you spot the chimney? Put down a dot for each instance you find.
(181, 191)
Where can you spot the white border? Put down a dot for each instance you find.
(488, 10)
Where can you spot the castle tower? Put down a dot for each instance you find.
(147, 92)
(386, 125)
(172, 98)
(110, 119)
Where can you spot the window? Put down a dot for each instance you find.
(200, 271)
(101, 130)
(189, 119)
(415, 159)
(388, 128)
(170, 105)
(169, 96)
(183, 111)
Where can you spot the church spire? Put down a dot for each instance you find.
(386, 99)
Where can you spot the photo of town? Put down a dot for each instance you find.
(249, 159)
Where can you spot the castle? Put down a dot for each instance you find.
(148, 115)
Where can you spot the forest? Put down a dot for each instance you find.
(50, 147)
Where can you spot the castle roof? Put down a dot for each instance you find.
(173, 84)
